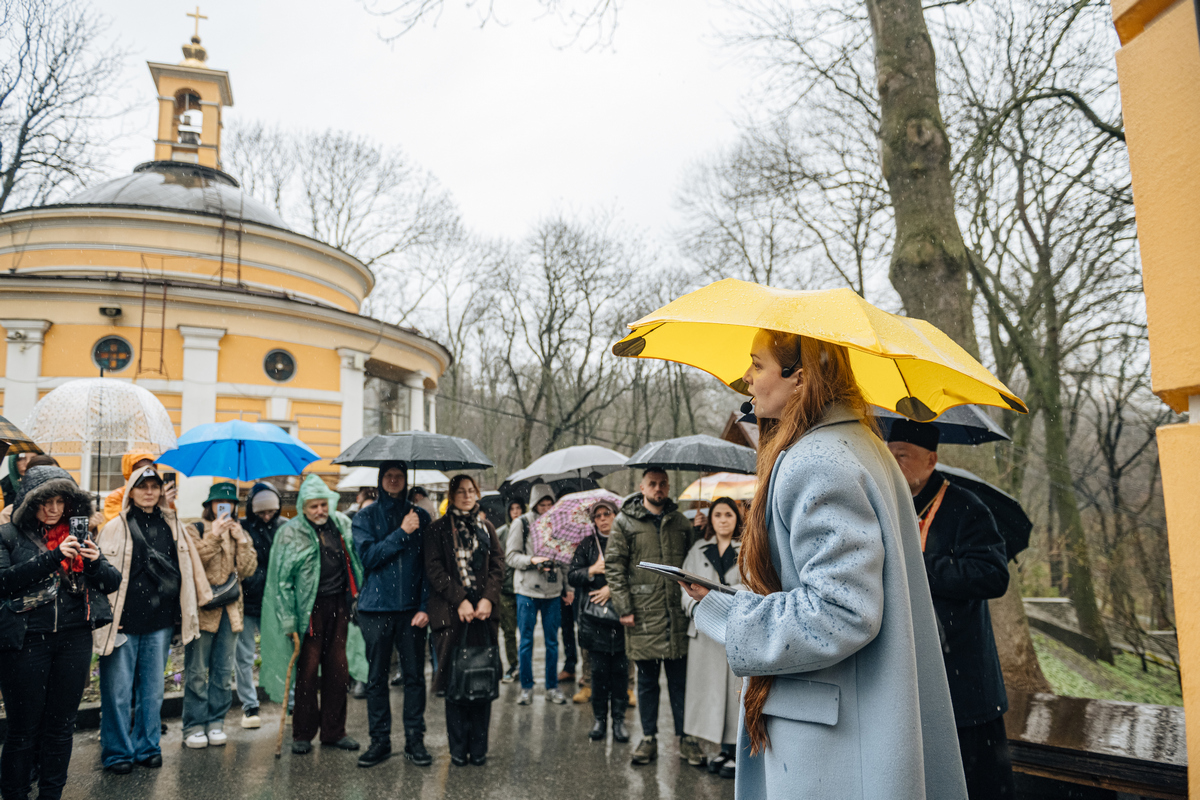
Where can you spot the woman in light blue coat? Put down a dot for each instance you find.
(846, 693)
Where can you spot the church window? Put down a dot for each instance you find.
(279, 365)
(386, 406)
(112, 354)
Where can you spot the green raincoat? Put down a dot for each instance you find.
(292, 577)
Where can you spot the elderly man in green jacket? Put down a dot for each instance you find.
(312, 581)
(650, 527)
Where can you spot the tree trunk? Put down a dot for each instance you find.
(929, 261)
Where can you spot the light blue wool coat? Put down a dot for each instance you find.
(860, 708)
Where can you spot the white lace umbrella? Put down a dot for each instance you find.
(119, 415)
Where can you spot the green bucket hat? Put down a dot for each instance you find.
(224, 492)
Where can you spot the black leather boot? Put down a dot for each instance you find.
(619, 733)
(599, 730)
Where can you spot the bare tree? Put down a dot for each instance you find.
(596, 18)
(262, 160)
(54, 77)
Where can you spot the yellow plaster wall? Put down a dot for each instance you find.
(249, 409)
(1159, 72)
(319, 426)
(67, 351)
(173, 403)
(242, 357)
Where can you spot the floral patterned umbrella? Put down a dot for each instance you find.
(559, 531)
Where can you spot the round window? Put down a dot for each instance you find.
(279, 365)
(112, 354)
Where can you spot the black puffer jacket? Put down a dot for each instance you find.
(592, 635)
(263, 536)
(26, 566)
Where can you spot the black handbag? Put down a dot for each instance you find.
(596, 613)
(227, 592)
(474, 670)
(160, 569)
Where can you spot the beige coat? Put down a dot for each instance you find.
(713, 699)
(220, 555)
(116, 543)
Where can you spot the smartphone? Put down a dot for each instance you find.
(79, 528)
(168, 477)
(223, 509)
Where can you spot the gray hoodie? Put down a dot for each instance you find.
(528, 580)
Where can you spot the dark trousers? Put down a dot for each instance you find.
(610, 683)
(986, 761)
(508, 626)
(467, 728)
(570, 652)
(322, 664)
(381, 632)
(648, 692)
(42, 683)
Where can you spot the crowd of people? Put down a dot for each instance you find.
(329, 599)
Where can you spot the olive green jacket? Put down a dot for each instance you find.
(659, 624)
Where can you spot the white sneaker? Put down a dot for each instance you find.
(252, 721)
(217, 737)
(197, 741)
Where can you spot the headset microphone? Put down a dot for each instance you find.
(747, 407)
(787, 372)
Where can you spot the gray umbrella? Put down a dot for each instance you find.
(699, 453)
(959, 425)
(418, 449)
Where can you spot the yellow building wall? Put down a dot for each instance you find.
(1159, 71)
(173, 403)
(247, 409)
(67, 351)
(319, 427)
(242, 362)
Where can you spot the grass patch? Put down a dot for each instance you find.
(1073, 675)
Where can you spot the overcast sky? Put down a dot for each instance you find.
(513, 122)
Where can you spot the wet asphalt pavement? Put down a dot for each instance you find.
(538, 752)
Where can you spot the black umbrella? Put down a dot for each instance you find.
(1014, 524)
(418, 449)
(699, 453)
(959, 425)
(519, 490)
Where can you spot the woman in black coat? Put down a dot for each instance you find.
(604, 642)
(465, 569)
(53, 591)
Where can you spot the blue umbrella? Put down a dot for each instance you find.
(246, 451)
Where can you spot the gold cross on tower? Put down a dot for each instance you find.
(198, 16)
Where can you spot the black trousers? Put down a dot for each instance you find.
(570, 651)
(649, 692)
(467, 728)
(610, 683)
(381, 632)
(986, 761)
(43, 684)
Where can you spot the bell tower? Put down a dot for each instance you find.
(190, 99)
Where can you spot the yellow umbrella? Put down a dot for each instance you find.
(902, 364)
(721, 484)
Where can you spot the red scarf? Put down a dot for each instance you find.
(54, 537)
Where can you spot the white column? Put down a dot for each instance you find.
(416, 415)
(1193, 405)
(201, 348)
(351, 379)
(431, 423)
(24, 366)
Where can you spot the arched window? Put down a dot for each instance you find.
(190, 117)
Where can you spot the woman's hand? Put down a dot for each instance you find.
(597, 568)
(694, 590)
(600, 596)
(465, 611)
(89, 550)
(538, 560)
(69, 547)
(484, 609)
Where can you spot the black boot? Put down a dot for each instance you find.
(619, 733)
(377, 753)
(599, 730)
(414, 751)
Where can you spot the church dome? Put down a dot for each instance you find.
(180, 186)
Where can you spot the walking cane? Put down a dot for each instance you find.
(287, 685)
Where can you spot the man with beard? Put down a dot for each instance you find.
(966, 563)
(650, 527)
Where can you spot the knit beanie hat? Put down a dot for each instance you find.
(265, 500)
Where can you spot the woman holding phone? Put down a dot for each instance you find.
(52, 594)
(228, 557)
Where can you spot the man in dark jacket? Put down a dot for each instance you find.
(261, 522)
(392, 611)
(966, 563)
(651, 528)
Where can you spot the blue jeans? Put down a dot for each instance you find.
(244, 664)
(208, 672)
(527, 612)
(134, 668)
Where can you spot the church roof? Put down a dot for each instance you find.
(182, 186)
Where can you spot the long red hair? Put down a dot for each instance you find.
(827, 379)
